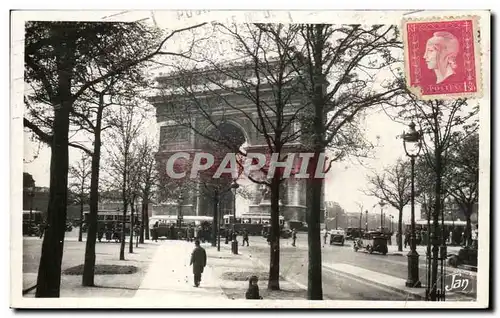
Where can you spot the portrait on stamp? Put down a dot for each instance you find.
(441, 58)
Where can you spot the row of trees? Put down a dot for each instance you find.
(75, 70)
(303, 82)
(460, 182)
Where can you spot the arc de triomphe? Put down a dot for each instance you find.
(175, 138)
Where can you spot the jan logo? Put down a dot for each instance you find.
(457, 282)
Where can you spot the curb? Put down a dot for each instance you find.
(414, 293)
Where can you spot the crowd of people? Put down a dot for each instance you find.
(455, 236)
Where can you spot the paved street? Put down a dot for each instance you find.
(336, 284)
(347, 275)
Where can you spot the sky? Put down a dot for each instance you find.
(344, 183)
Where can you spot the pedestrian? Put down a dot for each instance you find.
(407, 238)
(325, 236)
(191, 234)
(474, 236)
(199, 261)
(155, 231)
(253, 288)
(41, 228)
(294, 236)
(245, 237)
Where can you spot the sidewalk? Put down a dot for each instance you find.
(170, 278)
(107, 285)
(388, 282)
(233, 271)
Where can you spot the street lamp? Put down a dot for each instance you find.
(366, 220)
(32, 195)
(179, 213)
(412, 146)
(234, 186)
(382, 204)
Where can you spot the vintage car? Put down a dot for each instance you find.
(374, 241)
(337, 236)
(352, 233)
(284, 233)
(466, 256)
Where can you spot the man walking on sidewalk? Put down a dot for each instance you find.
(245, 237)
(199, 261)
(294, 237)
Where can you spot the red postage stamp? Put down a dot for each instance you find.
(442, 58)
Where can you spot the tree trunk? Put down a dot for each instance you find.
(89, 263)
(131, 239)
(143, 219)
(124, 198)
(215, 228)
(468, 228)
(122, 241)
(314, 286)
(274, 265)
(399, 236)
(146, 218)
(49, 270)
(435, 225)
(80, 234)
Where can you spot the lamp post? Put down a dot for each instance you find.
(366, 220)
(413, 139)
(382, 204)
(179, 212)
(234, 186)
(32, 195)
(360, 219)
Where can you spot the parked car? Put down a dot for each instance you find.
(337, 236)
(466, 256)
(32, 230)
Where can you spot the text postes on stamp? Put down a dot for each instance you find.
(442, 59)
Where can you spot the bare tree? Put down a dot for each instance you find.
(56, 53)
(80, 176)
(263, 77)
(338, 64)
(441, 123)
(393, 186)
(462, 178)
(122, 165)
(147, 183)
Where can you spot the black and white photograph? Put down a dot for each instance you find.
(250, 159)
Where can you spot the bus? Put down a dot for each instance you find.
(36, 217)
(168, 225)
(453, 229)
(253, 223)
(110, 219)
